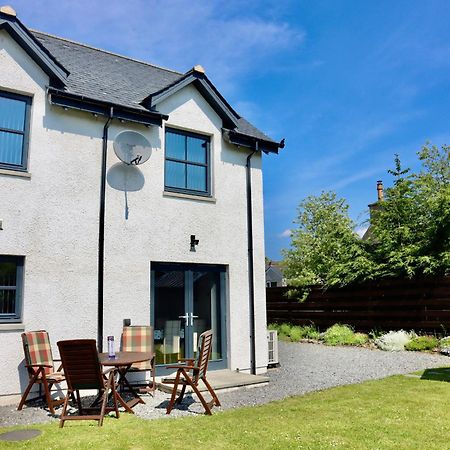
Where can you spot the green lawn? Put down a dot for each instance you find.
(395, 413)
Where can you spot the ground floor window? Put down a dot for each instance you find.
(11, 287)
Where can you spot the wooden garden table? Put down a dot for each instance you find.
(123, 362)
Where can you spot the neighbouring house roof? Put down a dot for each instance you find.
(105, 76)
(274, 271)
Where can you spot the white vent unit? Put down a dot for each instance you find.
(272, 340)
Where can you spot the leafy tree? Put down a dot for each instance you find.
(410, 230)
(325, 250)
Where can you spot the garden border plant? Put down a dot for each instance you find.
(341, 334)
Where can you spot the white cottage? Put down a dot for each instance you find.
(88, 242)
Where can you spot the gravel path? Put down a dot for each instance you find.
(304, 368)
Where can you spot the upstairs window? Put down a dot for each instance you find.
(187, 165)
(11, 284)
(14, 127)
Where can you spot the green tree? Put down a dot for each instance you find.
(410, 230)
(325, 250)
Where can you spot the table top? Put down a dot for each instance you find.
(125, 358)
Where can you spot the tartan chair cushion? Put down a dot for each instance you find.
(36, 345)
(138, 339)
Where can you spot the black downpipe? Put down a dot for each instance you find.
(101, 233)
(251, 281)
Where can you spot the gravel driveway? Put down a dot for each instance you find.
(304, 368)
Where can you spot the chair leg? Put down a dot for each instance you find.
(174, 393)
(105, 399)
(211, 391)
(27, 390)
(63, 414)
(180, 397)
(201, 398)
(79, 404)
(48, 396)
(153, 377)
(114, 395)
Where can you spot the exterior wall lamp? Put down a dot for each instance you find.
(194, 242)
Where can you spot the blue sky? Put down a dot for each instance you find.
(348, 83)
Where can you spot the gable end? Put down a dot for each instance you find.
(34, 49)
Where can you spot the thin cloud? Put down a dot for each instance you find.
(286, 233)
(172, 33)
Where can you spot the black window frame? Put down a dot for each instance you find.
(25, 133)
(186, 162)
(17, 315)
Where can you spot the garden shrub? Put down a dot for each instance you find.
(343, 335)
(360, 339)
(296, 333)
(273, 326)
(421, 343)
(311, 332)
(444, 342)
(284, 330)
(394, 341)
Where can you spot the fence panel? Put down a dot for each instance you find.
(422, 305)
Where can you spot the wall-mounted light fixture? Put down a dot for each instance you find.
(194, 242)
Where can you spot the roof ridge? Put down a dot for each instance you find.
(106, 51)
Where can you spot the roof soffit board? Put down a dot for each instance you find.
(206, 89)
(19, 33)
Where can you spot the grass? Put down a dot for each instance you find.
(402, 413)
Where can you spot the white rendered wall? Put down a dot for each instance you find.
(51, 218)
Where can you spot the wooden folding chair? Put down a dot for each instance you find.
(83, 371)
(139, 338)
(40, 366)
(191, 372)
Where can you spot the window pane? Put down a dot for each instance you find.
(196, 149)
(7, 280)
(12, 114)
(175, 174)
(7, 274)
(196, 178)
(7, 301)
(175, 145)
(11, 146)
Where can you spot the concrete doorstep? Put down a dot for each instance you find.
(221, 380)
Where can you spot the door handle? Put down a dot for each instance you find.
(185, 317)
(192, 319)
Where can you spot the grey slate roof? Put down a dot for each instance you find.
(105, 76)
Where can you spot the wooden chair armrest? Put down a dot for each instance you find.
(38, 365)
(181, 366)
(191, 360)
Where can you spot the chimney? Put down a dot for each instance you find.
(198, 68)
(8, 10)
(380, 190)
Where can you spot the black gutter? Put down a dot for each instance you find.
(78, 102)
(101, 233)
(244, 140)
(251, 275)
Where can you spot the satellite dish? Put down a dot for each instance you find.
(132, 148)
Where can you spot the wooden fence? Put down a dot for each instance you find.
(422, 305)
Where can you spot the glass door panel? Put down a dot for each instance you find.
(188, 299)
(206, 310)
(169, 324)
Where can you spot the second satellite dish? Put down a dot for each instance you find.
(132, 147)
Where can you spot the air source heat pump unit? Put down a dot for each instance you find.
(272, 339)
